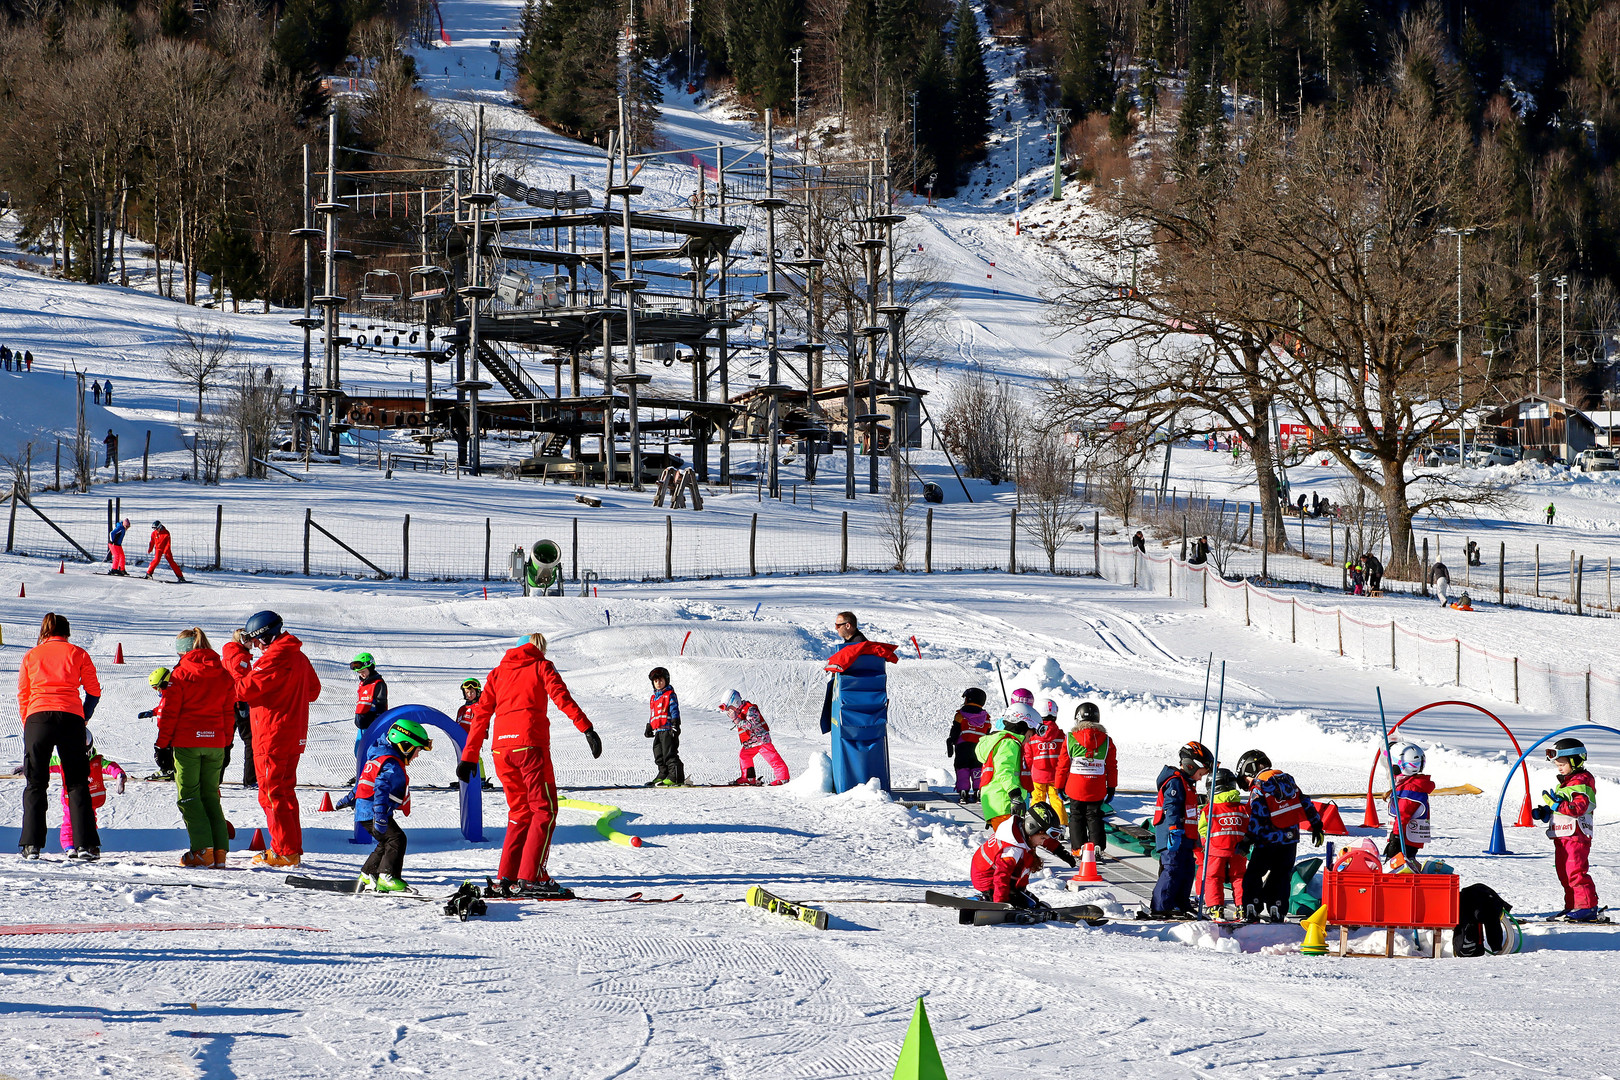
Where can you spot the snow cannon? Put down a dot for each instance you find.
(1315, 934)
(539, 568)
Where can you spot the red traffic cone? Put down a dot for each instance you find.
(1369, 819)
(1088, 866)
(1525, 820)
(118, 657)
(230, 831)
(22, 592)
(61, 567)
(326, 802)
(257, 843)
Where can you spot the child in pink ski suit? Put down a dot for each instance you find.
(99, 767)
(1568, 812)
(755, 736)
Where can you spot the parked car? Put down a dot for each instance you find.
(1597, 459)
(1440, 454)
(1494, 455)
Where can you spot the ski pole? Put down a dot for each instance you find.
(1203, 710)
(1005, 699)
(1394, 798)
(1209, 805)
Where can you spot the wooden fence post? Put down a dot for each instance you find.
(1339, 614)
(1459, 660)
(306, 540)
(1538, 569)
(928, 543)
(843, 545)
(753, 537)
(1246, 588)
(405, 551)
(1501, 573)
(1392, 644)
(1012, 543)
(59, 465)
(1515, 680)
(1580, 583)
(219, 531)
(1293, 621)
(669, 547)
(576, 549)
(487, 539)
(11, 525)
(146, 453)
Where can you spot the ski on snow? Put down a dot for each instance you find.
(975, 912)
(759, 898)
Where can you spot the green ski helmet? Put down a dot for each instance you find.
(158, 679)
(474, 683)
(362, 661)
(408, 735)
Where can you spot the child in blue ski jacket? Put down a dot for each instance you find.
(383, 787)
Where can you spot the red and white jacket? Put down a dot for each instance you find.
(1042, 750)
(752, 730)
(1002, 865)
(1088, 767)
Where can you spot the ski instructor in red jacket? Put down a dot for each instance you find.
(278, 688)
(512, 711)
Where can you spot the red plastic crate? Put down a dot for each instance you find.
(1424, 901)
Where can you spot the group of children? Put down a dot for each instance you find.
(664, 729)
(1031, 778)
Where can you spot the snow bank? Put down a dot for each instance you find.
(815, 779)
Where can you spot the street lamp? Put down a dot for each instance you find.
(1562, 281)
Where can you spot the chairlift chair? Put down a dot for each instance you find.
(513, 289)
(380, 286)
(429, 283)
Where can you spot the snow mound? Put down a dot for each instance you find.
(814, 779)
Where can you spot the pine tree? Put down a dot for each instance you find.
(970, 84)
(1084, 80)
(856, 45)
(1120, 124)
(937, 144)
(174, 18)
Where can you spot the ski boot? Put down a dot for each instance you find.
(504, 889)
(668, 783)
(365, 881)
(30, 851)
(1585, 914)
(275, 860)
(544, 889)
(84, 854)
(387, 883)
(222, 858)
(195, 859)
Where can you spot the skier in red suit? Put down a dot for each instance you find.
(159, 547)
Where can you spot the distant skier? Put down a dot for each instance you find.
(1176, 810)
(755, 735)
(1551, 512)
(1224, 839)
(970, 724)
(1409, 802)
(1042, 749)
(1568, 810)
(1087, 771)
(1375, 571)
(664, 729)
(371, 695)
(115, 547)
(383, 787)
(160, 547)
(1276, 809)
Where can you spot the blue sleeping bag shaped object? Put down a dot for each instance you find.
(857, 716)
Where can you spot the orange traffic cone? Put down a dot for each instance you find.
(118, 657)
(326, 802)
(257, 843)
(1525, 820)
(1088, 866)
(1332, 823)
(1369, 819)
(61, 567)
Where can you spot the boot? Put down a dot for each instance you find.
(1584, 914)
(30, 851)
(500, 890)
(221, 857)
(544, 889)
(366, 881)
(198, 858)
(275, 860)
(387, 883)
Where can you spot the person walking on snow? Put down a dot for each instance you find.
(1041, 752)
(512, 712)
(1276, 809)
(1551, 511)
(970, 724)
(278, 688)
(1440, 578)
(1087, 773)
(160, 548)
(115, 547)
(664, 729)
(1002, 793)
(49, 681)
(1568, 811)
(1409, 803)
(99, 768)
(382, 787)
(1225, 842)
(1176, 810)
(755, 736)
(196, 724)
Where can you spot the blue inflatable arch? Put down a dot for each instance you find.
(472, 795)
(1498, 845)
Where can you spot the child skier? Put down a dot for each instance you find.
(1222, 858)
(1176, 811)
(664, 729)
(1001, 778)
(471, 691)
(99, 767)
(162, 756)
(755, 736)
(383, 787)
(1042, 750)
(970, 724)
(1409, 802)
(371, 697)
(1087, 773)
(1568, 812)
(1002, 864)
(1276, 809)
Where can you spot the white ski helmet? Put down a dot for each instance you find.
(1050, 709)
(1408, 758)
(733, 702)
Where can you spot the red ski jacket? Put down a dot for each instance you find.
(158, 543)
(512, 708)
(1042, 751)
(199, 704)
(278, 688)
(1088, 768)
(1001, 869)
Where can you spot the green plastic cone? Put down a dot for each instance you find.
(919, 1057)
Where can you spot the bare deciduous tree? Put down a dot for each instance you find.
(1049, 508)
(897, 523)
(254, 409)
(977, 428)
(197, 356)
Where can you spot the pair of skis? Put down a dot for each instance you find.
(351, 886)
(972, 911)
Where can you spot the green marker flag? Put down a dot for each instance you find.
(919, 1057)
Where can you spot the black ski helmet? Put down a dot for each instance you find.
(1088, 713)
(1573, 749)
(658, 673)
(1195, 755)
(264, 625)
(973, 696)
(1041, 818)
(1251, 765)
(1224, 781)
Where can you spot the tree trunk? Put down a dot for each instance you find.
(1403, 560)
(1265, 473)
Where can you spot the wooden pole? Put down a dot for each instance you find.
(928, 543)
(219, 533)
(753, 537)
(1012, 543)
(843, 545)
(11, 525)
(1501, 573)
(306, 541)
(486, 548)
(146, 453)
(380, 572)
(1538, 569)
(405, 551)
(1580, 582)
(26, 501)
(669, 547)
(576, 549)
(1096, 542)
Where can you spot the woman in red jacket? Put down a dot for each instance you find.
(197, 720)
(48, 684)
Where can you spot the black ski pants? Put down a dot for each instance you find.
(388, 857)
(1269, 875)
(61, 733)
(1086, 825)
(244, 731)
(667, 755)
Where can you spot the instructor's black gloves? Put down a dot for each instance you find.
(594, 741)
(90, 703)
(466, 770)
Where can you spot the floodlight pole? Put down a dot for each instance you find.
(1563, 336)
(1535, 279)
